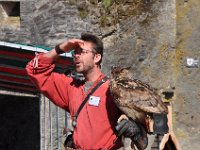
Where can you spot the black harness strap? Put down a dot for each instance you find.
(74, 118)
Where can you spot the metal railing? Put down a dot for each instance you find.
(52, 122)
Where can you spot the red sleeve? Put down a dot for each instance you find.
(53, 85)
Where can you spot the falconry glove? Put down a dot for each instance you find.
(136, 132)
(140, 139)
(127, 128)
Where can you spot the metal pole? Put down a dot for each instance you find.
(57, 126)
(50, 118)
(66, 119)
(40, 105)
(44, 113)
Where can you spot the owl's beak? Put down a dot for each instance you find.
(114, 67)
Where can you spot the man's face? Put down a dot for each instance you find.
(84, 57)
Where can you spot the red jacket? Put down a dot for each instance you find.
(95, 124)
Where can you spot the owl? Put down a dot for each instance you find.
(133, 97)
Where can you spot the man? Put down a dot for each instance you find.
(96, 123)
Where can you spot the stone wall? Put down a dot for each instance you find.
(186, 105)
(153, 37)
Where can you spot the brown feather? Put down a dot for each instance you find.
(134, 97)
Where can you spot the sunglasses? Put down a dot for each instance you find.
(80, 51)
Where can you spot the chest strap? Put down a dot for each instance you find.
(74, 118)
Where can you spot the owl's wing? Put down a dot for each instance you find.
(141, 96)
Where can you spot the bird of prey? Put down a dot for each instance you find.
(133, 97)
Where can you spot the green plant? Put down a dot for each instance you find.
(83, 13)
(103, 21)
(72, 2)
(107, 3)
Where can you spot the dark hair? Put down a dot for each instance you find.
(97, 43)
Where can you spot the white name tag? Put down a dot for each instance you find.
(94, 101)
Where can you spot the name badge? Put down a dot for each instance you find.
(94, 101)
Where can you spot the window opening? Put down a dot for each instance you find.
(10, 13)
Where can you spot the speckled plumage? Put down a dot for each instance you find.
(134, 97)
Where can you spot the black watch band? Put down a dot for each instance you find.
(58, 50)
